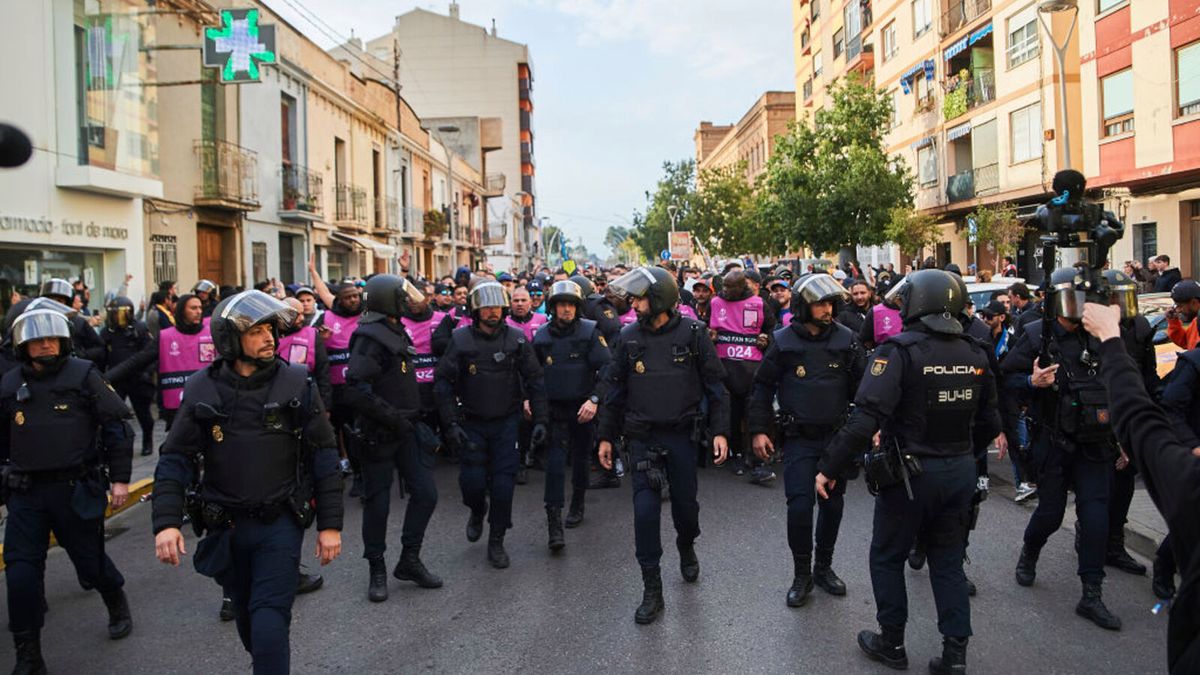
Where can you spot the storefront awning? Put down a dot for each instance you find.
(954, 49)
(380, 249)
(958, 131)
(980, 34)
(928, 140)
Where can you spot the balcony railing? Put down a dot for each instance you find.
(966, 94)
(229, 176)
(414, 221)
(351, 204)
(959, 13)
(494, 184)
(987, 179)
(387, 213)
(300, 196)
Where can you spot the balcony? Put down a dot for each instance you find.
(300, 194)
(524, 89)
(525, 120)
(414, 221)
(987, 179)
(971, 183)
(229, 176)
(863, 62)
(351, 205)
(387, 214)
(494, 184)
(967, 91)
(960, 13)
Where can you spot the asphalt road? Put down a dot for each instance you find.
(574, 612)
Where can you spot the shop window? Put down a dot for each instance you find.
(1187, 83)
(1117, 93)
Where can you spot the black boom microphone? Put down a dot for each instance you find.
(15, 147)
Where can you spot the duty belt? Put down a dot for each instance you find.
(792, 428)
(58, 475)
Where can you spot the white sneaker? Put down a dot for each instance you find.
(1025, 491)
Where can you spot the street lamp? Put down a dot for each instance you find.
(1060, 51)
(450, 129)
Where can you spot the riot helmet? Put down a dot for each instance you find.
(812, 288)
(565, 291)
(118, 313)
(38, 324)
(204, 286)
(935, 298)
(388, 295)
(1122, 292)
(1069, 290)
(653, 283)
(57, 288)
(239, 313)
(894, 297)
(585, 285)
(487, 294)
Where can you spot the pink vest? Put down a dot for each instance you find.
(338, 344)
(686, 310)
(421, 334)
(300, 348)
(738, 324)
(628, 317)
(180, 355)
(535, 322)
(887, 323)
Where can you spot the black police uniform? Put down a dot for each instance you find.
(85, 340)
(59, 429)
(657, 382)
(814, 378)
(489, 375)
(931, 395)
(256, 450)
(572, 358)
(120, 345)
(381, 385)
(1181, 403)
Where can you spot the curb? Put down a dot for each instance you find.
(138, 492)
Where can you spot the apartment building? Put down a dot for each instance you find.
(751, 140)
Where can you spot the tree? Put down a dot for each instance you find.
(724, 215)
(912, 230)
(997, 227)
(831, 185)
(677, 188)
(614, 236)
(554, 239)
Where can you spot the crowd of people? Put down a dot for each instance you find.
(272, 396)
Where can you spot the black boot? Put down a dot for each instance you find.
(1163, 584)
(475, 526)
(29, 653)
(1116, 556)
(689, 564)
(1091, 607)
(120, 621)
(1027, 565)
(823, 575)
(554, 527)
(496, 553)
(227, 613)
(147, 448)
(377, 586)
(606, 479)
(971, 590)
(410, 568)
(802, 581)
(886, 647)
(522, 475)
(652, 599)
(575, 513)
(953, 660)
(308, 583)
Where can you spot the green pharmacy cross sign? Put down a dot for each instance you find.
(239, 45)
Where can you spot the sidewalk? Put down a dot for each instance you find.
(1143, 532)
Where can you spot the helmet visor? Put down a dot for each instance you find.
(250, 308)
(119, 316)
(820, 288)
(487, 294)
(409, 292)
(633, 284)
(40, 323)
(58, 287)
(52, 305)
(895, 293)
(1125, 297)
(565, 291)
(1068, 302)
(204, 286)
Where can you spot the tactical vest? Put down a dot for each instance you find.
(300, 348)
(738, 324)
(1081, 412)
(942, 387)
(398, 387)
(529, 327)
(570, 376)
(815, 379)
(338, 345)
(664, 382)
(55, 427)
(489, 383)
(887, 322)
(123, 343)
(421, 333)
(253, 441)
(180, 355)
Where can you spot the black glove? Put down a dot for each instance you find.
(538, 435)
(457, 437)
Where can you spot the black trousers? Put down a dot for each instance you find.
(1091, 481)
(680, 470)
(140, 402)
(567, 438)
(800, 457)
(380, 464)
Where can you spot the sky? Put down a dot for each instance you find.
(620, 86)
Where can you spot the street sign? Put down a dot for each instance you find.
(665, 254)
(680, 245)
(239, 45)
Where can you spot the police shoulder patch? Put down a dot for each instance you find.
(878, 366)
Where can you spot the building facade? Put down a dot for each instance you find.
(751, 140)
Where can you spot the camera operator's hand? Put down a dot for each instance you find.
(1103, 321)
(1043, 377)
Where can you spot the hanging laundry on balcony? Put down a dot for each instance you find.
(980, 34)
(955, 49)
(958, 132)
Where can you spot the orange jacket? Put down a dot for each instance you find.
(1184, 336)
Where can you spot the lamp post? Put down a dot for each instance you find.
(450, 129)
(519, 230)
(1060, 52)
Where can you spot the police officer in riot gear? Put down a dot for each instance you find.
(60, 426)
(573, 354)
(1071, 437)
(252, 459)
(382, 388)
(124, 337)
(814, 366)
(480, 383)
(86, 341)
(209, 295)
(931, 394)
(663, 368)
